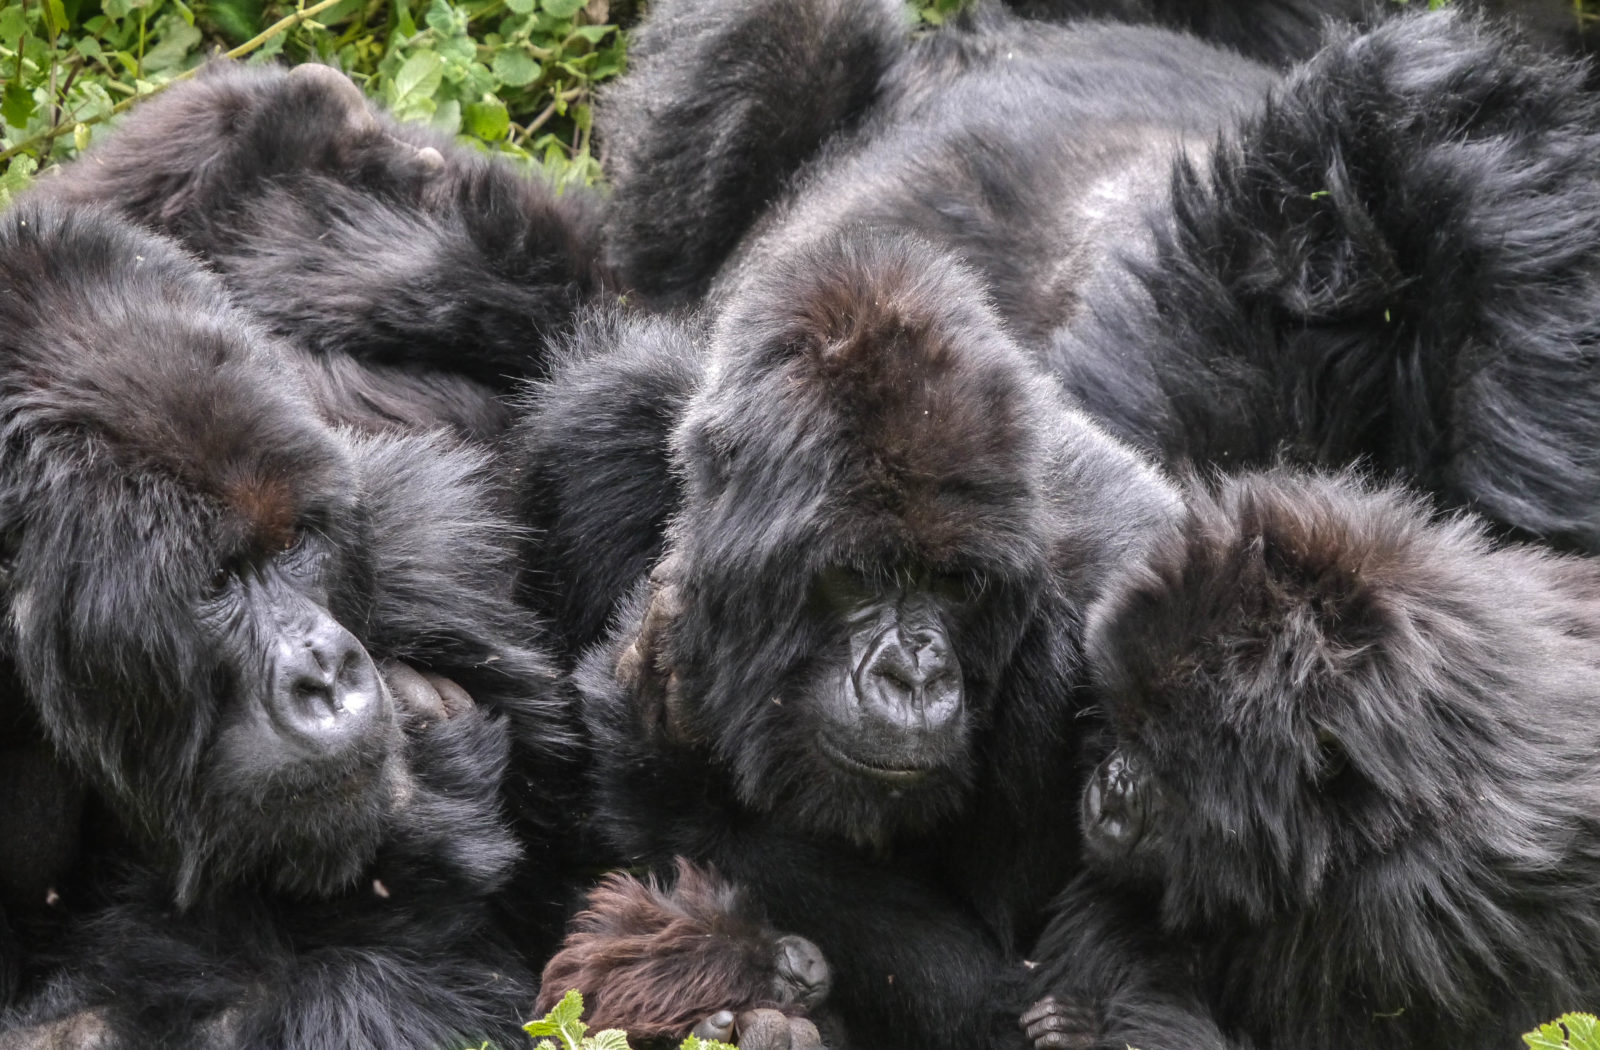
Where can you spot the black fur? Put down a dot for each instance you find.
(763, 84)
(171, 892)
(1374, 814)
(856, 407)
(440, 269)
(1386, 254)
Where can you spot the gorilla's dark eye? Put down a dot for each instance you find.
(10, 547)
(953, 586)
(292, 541)
(1331, 756)
(217, 583)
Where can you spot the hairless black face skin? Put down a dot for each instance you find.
(898, 708)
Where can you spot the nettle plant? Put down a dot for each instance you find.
(510, 76)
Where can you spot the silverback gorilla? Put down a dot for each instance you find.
(870, 529)
(847, 684)
(1352, 800)
(278, 721)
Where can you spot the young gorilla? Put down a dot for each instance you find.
(659, 962)
(1384, 255)
(1353, 800)
(441, 271)
(278, 712)
(846, 683)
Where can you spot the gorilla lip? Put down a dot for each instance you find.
(888, 774)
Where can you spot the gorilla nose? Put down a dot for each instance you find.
(803, 974)
(327, 696)
(912, 679)
(1114, 803)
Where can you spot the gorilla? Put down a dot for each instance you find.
(658, 961)
(279, 733)
(1281, 32)
(1352, 798)
(839, 528)
(846, 683)
(1383, 255)
(418, 277)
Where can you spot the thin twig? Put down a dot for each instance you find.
(281, 25)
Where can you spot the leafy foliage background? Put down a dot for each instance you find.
(511, 76)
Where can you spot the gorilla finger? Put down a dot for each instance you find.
(803, 1035)
(1064, 1041)
(718, 1026)
(763, 1030)
(454, 698)
(358, 117)
(413, 691)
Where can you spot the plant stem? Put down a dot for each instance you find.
(281, 25)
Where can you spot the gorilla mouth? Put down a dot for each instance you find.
(898, 775)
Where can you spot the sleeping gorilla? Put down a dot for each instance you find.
(279, 713)
(846, 683)
(418, 277)
(1353, 800)
(1384, 255)
(660, 961)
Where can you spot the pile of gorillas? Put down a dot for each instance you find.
(1057, 535)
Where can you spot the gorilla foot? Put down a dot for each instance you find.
(762, 1029)
(1061, 1024)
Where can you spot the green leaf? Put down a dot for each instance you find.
(447, 117)
(564, 8)
(522, 7)
(608, 1039)
(564, 1022)
(16, 105)
(55, 18)
(594, 34)
(16, 177)
(696, 1043)
(1575, 1031)
(488, 120)
(445, 19)
(404, 26)
(417, 78)
(13, 23)
(80, 137)
(176, 39)
(236, 20)
(515, 68)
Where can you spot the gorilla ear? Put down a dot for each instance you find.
(644, 669)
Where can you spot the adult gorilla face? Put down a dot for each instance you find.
(184, 582)
(861, 542)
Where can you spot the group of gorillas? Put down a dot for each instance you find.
(1065, 532)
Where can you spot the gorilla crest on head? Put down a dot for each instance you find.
(860, 466)
(183, 565)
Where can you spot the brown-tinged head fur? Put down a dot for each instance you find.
(655, 962)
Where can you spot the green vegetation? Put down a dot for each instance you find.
(563, 1029)
(512, 76)
(1569, 1032)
